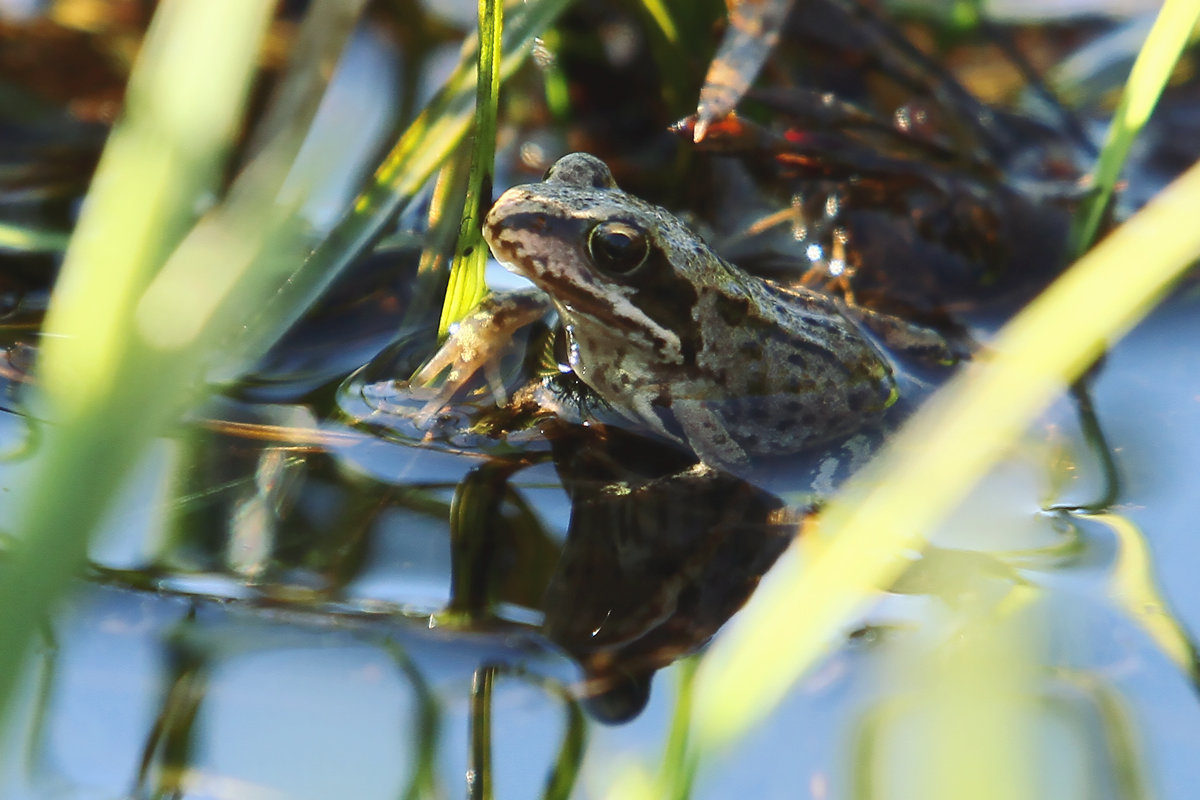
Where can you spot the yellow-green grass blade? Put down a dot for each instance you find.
(1155, 62)
(422, 148)
(98, 383)
(658, 12)
(558, 99)
(28, 239)
(117, 363)
(673, 51)
(467, 286)
(239, 254)
(886, 510)
(678, 769)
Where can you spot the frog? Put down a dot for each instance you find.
(676, 340)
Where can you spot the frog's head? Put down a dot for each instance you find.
(611, 262)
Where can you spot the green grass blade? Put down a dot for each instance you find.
(99, 382)
(887, 508)
(658, 12)
(326, 27)
(117, 362)
(422, 148)
(673, 52)
(26, 239)
(678, 770)
(558, 98)
(467, 286)
(1155, 62)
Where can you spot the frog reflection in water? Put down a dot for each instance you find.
(673, 337)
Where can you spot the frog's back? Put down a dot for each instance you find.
(794, 371)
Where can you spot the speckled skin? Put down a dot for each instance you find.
(687, 344)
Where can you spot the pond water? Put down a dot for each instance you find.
(299, 596)
(303, 649)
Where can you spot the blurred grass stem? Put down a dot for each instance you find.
(162, 162)
(864, 539)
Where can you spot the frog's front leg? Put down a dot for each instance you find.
(706, 433)
(477, 342)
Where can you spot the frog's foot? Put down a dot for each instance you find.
(907, 338)
(476, 343)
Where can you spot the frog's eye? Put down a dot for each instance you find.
(618, 248)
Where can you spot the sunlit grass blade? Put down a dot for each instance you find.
(246, 247)
(632, 781)
(467, 286)
(327, 26)
(105, 398)
(24, 239)
(885, 511)
(418, 153)
(658, 12)
(673, 52)
(159, 165)
(677, 769)
(1155, 62)
(957, 715)
(443, 223)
